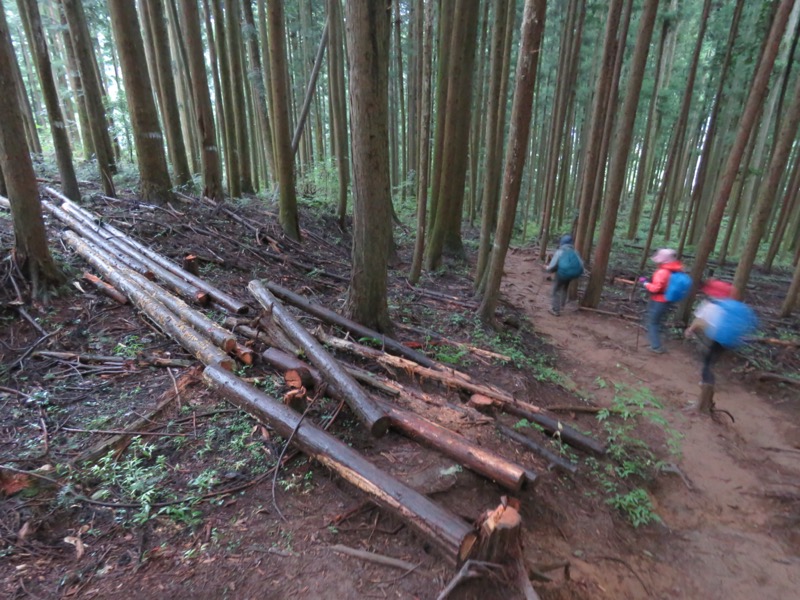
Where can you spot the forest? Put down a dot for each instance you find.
(399, 171)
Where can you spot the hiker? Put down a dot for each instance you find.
(664, 293)
(567, 265)
(707, 318)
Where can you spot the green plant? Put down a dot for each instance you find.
(130, 347)
(637, 507)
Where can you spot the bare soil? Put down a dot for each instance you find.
(729, 508)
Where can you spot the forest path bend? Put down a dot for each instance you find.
(727, 536)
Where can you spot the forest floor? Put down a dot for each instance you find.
(716, 504)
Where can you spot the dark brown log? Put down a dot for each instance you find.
(138, 249)
(549, 456)
(105, 288)
(124, 278)
(484, 462)
(460, 380)
(329, 316)
(190, 264)
(449, 534)
(335, 375)
(286, 364)
(243, 353)
(247, 331)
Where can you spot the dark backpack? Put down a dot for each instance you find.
(678, 287)
(569, 265)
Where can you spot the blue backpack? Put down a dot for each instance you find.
(678, 287)
(737, 322)
(569, 265)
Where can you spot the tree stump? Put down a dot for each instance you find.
(499, 535)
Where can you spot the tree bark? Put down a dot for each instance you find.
(368, 43)
(29, 10)
(154, 180)
(30, 241)
(233, 22)
(528, 60)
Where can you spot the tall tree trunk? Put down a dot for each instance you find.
(93, 95)
(791, 197)
(280, 108)
(768, 190)
(228, 125)
(755, 97)
(167, 95)
(212, 171)
(424, 130)
(233, 20)
(76, 85)
(338, 105)
(527, 62)
(616, 176)
(792, 295)
(153, 173)
(368, 32)
(30, 241)
(29, 9)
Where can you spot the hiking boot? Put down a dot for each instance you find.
(555, 313)
(659, 350)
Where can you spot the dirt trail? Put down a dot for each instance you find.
(724, 538)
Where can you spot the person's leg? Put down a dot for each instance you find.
(564, 288)
(655, 314)
(556, 303)
(714, 351)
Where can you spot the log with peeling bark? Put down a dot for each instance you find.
(452, 536)
(129, 282)
(332, 318)
(123, 253)
(453, 445)
(456, 379)
(335, 375)
(105, 288)
(137, 249)
(549, 456)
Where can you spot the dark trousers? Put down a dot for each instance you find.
(559, 294)
(710, 356)
(656, 311)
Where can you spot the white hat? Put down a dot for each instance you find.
(664, 255)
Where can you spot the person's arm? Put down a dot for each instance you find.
(554, 261)
(659, 283)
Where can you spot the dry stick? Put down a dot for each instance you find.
(452, 536)
(132, 283)
(123, 278)
(280, 458)
(380, 559)
(134, 247)
(357, 329)
(105, 288)
(537, 449)
(362, 405)
(33, 346)
(460, 380)
(123, 432)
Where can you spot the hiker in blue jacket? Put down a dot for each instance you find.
(567, 265)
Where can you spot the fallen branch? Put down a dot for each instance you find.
(335, 376)
(105, 288)
(354, 328)
(524, 440)
(379, 559)
(775, 342)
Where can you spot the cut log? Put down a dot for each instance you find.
(190, 264)
(453, 445)
(484, 462)
(499, 535)
(332, 318)
(220, 297)
(335, 375)
(124, 279)
(460, 380)
(546, 454)
(105, 288)
(243, 353)
(449, 534)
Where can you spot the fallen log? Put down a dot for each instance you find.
(105, 288)
(549, 456)
(335, 376)
(453, 445)
(460, 380)
(452, 536)
(333, 318)
(111, 232)
(766, 376)
(442, 339)
(121, 252)
(124, 278)
(775, 342)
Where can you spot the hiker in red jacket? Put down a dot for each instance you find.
(657, 307)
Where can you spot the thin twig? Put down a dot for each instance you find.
(280, 457)
(33, 347)
(124, 432)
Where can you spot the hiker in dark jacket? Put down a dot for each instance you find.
(571, 267)
(657, 307)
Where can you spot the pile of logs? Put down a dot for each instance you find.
(168, 295)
